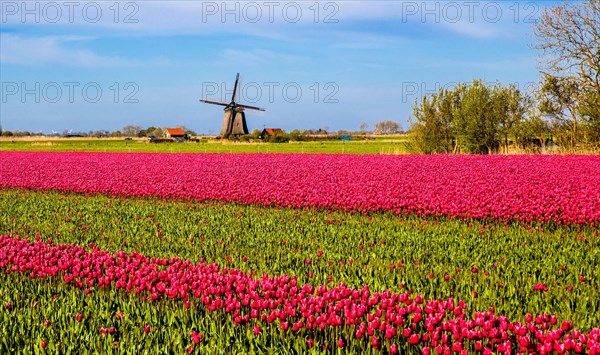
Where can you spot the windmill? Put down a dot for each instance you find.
(234, 119)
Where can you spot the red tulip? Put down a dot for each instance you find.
(457, 346)
(318, 181)
(375, 342)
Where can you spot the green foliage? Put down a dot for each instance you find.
(589, 110)
(298, 136)
(278, 138)
(330, 146)
(471, 118)
(278, 241)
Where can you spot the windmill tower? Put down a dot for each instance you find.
(234, 119)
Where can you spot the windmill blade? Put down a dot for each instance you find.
(237, 78)
(251, 107)
(213, 102)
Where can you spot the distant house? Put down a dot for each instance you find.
(269, 132)
(175, 133)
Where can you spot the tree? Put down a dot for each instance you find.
(433, 129)
(186, 130)
(534, 131)
(387, 127)
(476, 123)
(99, 134)
(363, 127)
(297, 135)
(158, 133)
(568, 37)
(131, 131)
(557, 100)
(471, 118)
(146, 132)
(510, 108)
(589, 110)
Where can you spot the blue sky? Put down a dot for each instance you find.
(104, 64)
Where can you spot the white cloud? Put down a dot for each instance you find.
(51, 50)
(261, 56)
(286, 20)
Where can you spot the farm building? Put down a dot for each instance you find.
(269, 132)
(175, 133)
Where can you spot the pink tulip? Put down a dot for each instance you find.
(324, 181)
(375, 342)
(443, 325)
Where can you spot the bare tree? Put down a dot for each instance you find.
(388, 126)
(186, 130)
(363, 127)
(568, 38)
(158, 133)
(131, 131)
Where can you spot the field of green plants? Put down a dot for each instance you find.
(308, 254)
(484, 264)
(380, 145)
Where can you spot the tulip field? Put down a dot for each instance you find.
(147, 253)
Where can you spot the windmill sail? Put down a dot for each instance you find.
(234, 118)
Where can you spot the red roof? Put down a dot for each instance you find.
(273, 131)
(173, 132)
